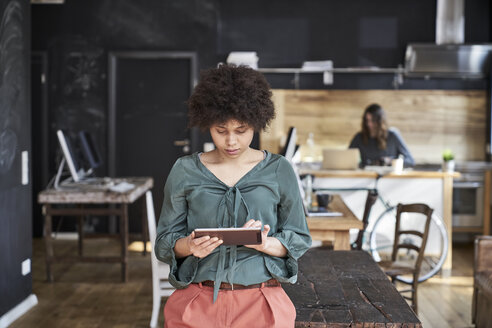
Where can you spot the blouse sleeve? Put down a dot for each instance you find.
(173, 226)
(292, 230)
(408, 160)
(355, 143)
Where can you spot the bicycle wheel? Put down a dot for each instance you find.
(381, 241)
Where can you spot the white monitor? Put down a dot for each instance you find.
(89, 151)
(76, 170)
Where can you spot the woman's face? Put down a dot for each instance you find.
(370, 124)
(231, 138)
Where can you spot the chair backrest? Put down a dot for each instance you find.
(151, 217)
(160, 268)
(412, 208)
(483, 251)
(160, 271)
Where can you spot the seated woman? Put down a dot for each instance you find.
(379, 144)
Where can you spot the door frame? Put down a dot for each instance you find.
(43, 127)
(113, 57)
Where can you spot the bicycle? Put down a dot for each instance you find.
(378, 237)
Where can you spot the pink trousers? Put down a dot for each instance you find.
(257, 307)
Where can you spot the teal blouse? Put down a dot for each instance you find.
(195, 198)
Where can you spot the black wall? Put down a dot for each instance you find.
(15, 134)
(79, 34)
(350, 33)
(284, 33)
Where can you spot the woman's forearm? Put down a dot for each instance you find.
(274, 247)
(199, 247)
(181, 248)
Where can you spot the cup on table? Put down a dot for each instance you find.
(397, 165)
(323, 199)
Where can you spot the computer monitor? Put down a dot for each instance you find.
(290, 147)
(89, 150)
(69, 154)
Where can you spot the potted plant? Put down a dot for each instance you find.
(448, 161)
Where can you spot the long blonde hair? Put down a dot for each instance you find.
(379, 118)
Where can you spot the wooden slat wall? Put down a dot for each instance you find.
(429, 120)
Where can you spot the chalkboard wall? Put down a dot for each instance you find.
(79, 34)
(15, 198)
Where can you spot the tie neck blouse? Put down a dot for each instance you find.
(195, 198)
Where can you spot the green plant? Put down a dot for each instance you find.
(447, 155)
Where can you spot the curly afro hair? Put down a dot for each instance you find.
(231, 92)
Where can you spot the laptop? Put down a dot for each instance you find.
(340, 159)
(319, 211)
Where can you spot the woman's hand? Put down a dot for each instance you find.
(269, 245)
(198, 247)
(264, 234)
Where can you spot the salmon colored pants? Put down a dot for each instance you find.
(256, 307)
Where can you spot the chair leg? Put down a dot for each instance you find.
(155, 310)
(145, 226)
(474, 305)
(414, 296)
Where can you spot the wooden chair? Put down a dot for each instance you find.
(160, 271)
(372, 196)
(396, 268)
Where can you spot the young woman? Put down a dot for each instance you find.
(231, 186)
(377, 143)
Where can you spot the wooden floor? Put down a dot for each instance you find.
(91, 295)
(446, 302)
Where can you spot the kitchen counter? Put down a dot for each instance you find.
(374, 174)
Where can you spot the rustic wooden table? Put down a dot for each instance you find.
(346, 289)
(335, 229)
(82, 200)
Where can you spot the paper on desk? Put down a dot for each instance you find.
(122, 187)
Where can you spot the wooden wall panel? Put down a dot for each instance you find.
(429, 120)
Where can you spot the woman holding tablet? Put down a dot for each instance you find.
(233, 185)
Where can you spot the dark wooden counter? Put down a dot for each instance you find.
(346, 289)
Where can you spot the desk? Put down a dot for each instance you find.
(346, 289)
(82, 199)
(335, 229)
(400, 181)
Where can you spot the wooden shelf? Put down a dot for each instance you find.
(364, 70)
